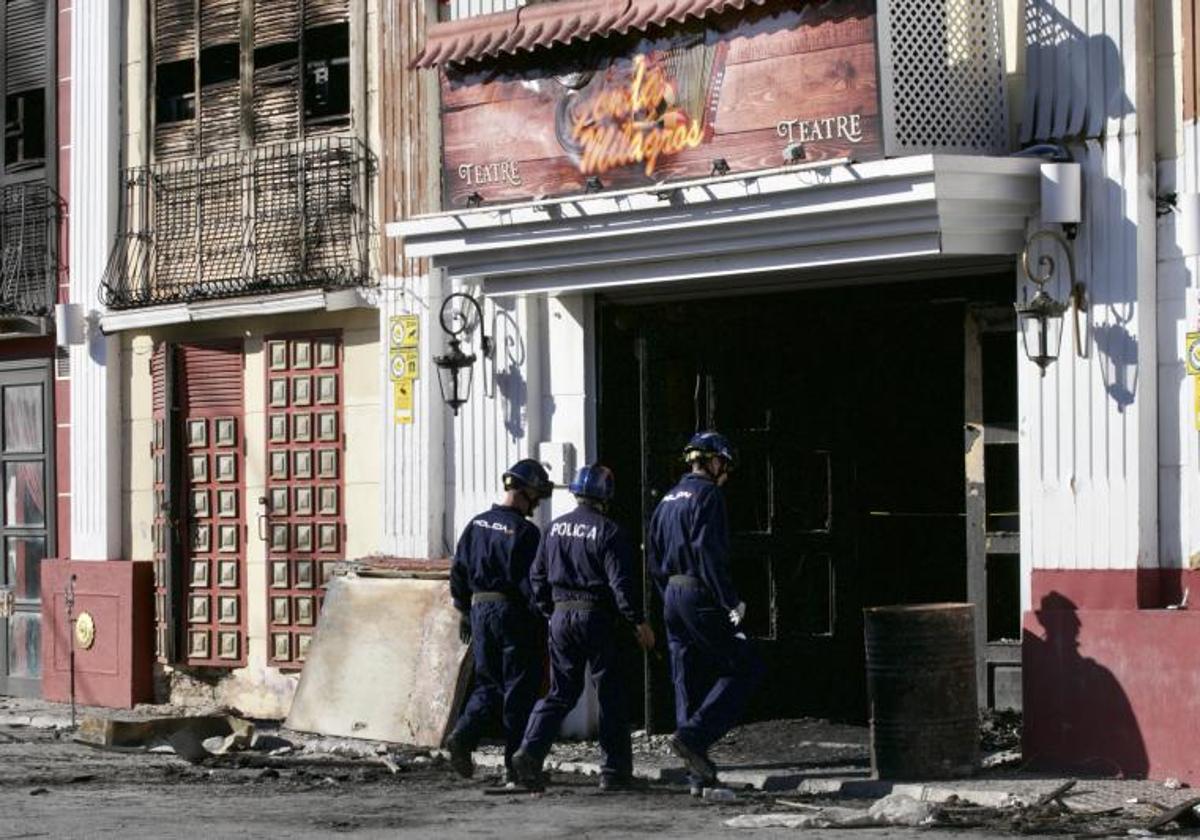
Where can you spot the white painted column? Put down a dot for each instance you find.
(413, 456)
(569, 406)
(94, 195)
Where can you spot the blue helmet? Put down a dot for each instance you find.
(595, 481)
(707, 444)
(528, 474)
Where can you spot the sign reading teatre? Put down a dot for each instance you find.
(758, 91)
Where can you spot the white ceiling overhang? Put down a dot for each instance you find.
(794, 219)
(282, 303)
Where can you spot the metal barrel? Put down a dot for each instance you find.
(921, 683)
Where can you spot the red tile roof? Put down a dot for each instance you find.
(565, 22)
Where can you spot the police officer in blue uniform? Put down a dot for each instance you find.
(713, 666)
(489, 582)
(584, 582)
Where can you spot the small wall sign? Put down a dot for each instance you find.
(1192, 354)
(404, 363)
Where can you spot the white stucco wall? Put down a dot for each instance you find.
(1089, 433)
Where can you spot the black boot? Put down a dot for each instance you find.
(611, 783)
(460, 756)
(696, 761)
(528, 771)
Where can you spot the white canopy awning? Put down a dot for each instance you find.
(809, 217)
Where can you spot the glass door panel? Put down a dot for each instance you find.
(26, 527)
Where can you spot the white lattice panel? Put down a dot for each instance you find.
(459, 9)
(942, 77)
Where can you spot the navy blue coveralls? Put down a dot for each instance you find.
(713, 667)
(583, 580)
(489, 580)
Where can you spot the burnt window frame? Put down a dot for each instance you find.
(272, 55)
(44, 167)
(180, 104)
(217, 62)
(17, 110)
(323, 56)
(330, 56)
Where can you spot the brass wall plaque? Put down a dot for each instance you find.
(85, 631)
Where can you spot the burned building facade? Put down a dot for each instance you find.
(32, 278)
(821, 227)
(240, 341)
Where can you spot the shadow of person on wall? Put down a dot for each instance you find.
(1077, 716)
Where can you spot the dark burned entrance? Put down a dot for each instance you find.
(847, 406)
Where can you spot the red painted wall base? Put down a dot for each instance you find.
(117, 670)
(1111, 688)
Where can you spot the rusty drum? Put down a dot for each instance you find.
(921, 683)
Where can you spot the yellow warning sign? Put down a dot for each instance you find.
(405, 364)
(406, 330)
(402, 402)
(1196, 402)
(1192, 353)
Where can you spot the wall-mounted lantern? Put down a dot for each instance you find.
(456, 369)
(1041, 319)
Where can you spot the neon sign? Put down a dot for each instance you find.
(634, 124)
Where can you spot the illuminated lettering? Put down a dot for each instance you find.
(638, 124)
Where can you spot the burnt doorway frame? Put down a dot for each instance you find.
(993, 537)
(25, 373)
(626, 423)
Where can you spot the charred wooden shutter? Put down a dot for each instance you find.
(220, 90)
(175, 51)
(276, 22)
(174, 30)
(276, 70)
(27, 75)
(325, 12)
(25, 45)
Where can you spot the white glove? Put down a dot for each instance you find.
(737, 613)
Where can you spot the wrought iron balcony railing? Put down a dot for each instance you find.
(30, 215)
(272, 218)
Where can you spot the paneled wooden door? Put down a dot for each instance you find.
(27, 527)
(302, 514)
(200, 530)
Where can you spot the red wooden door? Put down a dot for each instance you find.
(199, 465)
(304, 524)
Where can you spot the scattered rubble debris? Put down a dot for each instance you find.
(1050, 813)
(897, 809)
(1004, 758)
(1173, 784)
(100, 731)
(719, 794)
(901, 809)
(999, 730)
(1184, 815)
